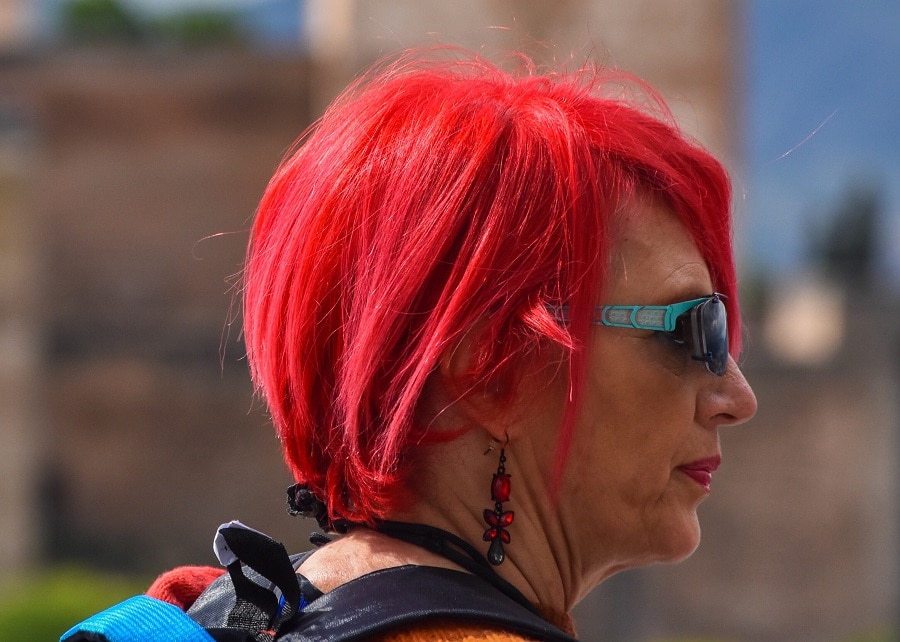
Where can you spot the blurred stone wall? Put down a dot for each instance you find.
(147, 169)
(21, 438)
(689, 50)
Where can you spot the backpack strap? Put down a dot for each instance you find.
(406, 595)
(264, 595)
(386, 600)
(257, 608)
(373, 603)
(269, 593)
(137, 619)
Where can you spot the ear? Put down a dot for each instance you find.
(488, 404)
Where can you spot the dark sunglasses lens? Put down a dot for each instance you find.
(714, 324)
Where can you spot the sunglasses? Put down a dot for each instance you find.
(700, 325)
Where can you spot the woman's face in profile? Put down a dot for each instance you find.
(650, 415)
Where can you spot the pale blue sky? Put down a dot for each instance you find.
(822, 110)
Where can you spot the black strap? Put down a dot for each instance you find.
(257, 608)
(382, 601)
(302, 501)
(406, 595)
(236, 606)
(455, 549)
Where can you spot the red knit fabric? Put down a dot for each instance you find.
(183, 585)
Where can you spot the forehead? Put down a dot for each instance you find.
(653, 259)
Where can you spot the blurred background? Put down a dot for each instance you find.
(135, 139)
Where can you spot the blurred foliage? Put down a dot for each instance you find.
(92, 22)
(845, 248)
(41, 607)
(194, 28)
(99, 20)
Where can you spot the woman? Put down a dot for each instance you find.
(488, 315)
(422, 287)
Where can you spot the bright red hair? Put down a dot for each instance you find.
(433, 196)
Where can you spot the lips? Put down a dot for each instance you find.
(701, 470)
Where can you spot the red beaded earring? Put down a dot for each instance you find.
(498, 519)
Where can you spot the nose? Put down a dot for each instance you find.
(729, 400)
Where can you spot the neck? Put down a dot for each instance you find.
(455, 549)
(538, 561)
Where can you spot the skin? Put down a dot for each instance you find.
(647, 409)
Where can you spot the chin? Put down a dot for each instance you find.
(679, 542)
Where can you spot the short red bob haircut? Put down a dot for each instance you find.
(437, 193)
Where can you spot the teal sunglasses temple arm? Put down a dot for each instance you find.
(659, 318)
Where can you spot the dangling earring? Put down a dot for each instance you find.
(498, 519)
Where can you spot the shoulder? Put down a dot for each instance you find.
(448, 631)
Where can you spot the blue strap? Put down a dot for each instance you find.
(138, 619)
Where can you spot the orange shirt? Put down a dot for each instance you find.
(451, 632)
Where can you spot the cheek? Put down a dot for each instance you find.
(627, 444)
(637, 431)
(619, 452)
